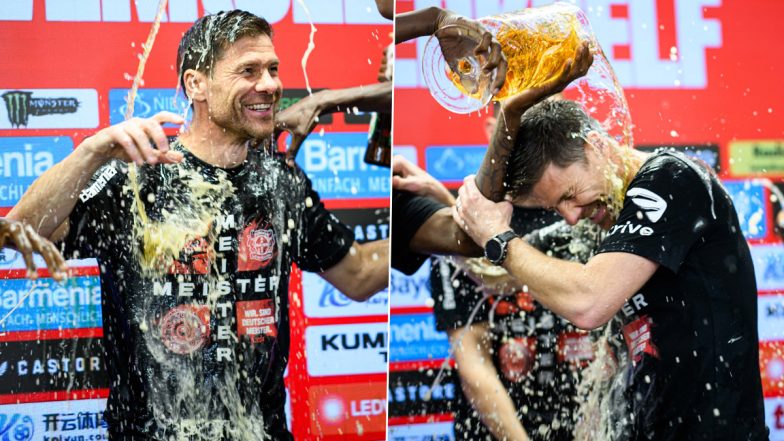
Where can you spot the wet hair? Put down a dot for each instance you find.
(551, 132)
(209, 37)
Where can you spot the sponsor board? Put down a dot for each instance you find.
(441, 431)
(770, 313)
(47, 305)
(13, 260)
(51, 365)
(49, 109)
(751, 206)
(147, 103)
(637, 62)
(414, 392)
(453, 163)
(410, 291)
(346, 349)
(367, 224)
(768, 266)
(772, 368)
(710, 154)
(54, 421)
(335, 164)
(345, 408)
(758, 158)
(774, 417)
(23, 160)
(321, 299)
(186, 11)
(413, 337)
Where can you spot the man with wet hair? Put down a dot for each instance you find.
(195, 244)
(674, 268)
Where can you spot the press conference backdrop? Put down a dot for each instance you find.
(65, 69)
(693, 82)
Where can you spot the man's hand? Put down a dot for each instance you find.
(408, 177)
(479, 217)
(299, 120)
(457, 35)
(140, 140)
(572, 70)
(24, 239)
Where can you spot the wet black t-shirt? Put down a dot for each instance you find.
(199, 349)
(537, 354)
(691, 330)
(409, 213)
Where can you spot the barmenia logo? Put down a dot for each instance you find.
(651, 204)
(21, 105)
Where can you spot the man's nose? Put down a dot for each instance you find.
(267, 83)
(570, 212)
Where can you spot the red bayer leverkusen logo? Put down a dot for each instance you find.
(194, 258)
(258, 246)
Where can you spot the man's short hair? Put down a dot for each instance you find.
(551, 132)
(205, 42)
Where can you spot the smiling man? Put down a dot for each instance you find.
(674, 268)
(195, 246)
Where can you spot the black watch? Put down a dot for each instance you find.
(495, 248)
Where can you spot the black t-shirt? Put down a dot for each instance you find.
(537, 354)
(691, 330)
(202, 346)
(409, 213)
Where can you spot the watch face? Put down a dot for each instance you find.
(493, 250)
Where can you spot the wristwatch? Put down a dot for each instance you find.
(495, 248)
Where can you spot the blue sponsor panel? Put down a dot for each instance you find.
(453, 163)
(752, 207)
(414, 338)
(335, 164)
(147, 103)
(440, 431)
(13, 260)
(321, 299)
(47, 305)
(24, 159)
(769, 266)
(410, 291)
(55, 420)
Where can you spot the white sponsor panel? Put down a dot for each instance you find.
(768, 266)
(57, 420)
(770, 315)
(321, 299)
(48, 108)
(410, 291)
(441, 431)
(346, 349)
(774, 417)
(409, 152)
(12, 260)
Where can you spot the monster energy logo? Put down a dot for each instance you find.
(21, 105)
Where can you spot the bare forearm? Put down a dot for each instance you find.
(52, 197)
(482, 386)
(363, 272)
(491, 174)
(369, 98)
(416, 23)
(440, 235)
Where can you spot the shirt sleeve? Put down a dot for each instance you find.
(668, 207)
(409, 213)
(100, 217)
(326, 240)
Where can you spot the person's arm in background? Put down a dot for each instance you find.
(363, 272)
(24, 239)
(481, 384)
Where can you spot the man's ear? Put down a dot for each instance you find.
(195, 84)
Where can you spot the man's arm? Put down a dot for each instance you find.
(363, 271)
(440, 235)
(47, 204)
(588, 295)
(481, 385)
